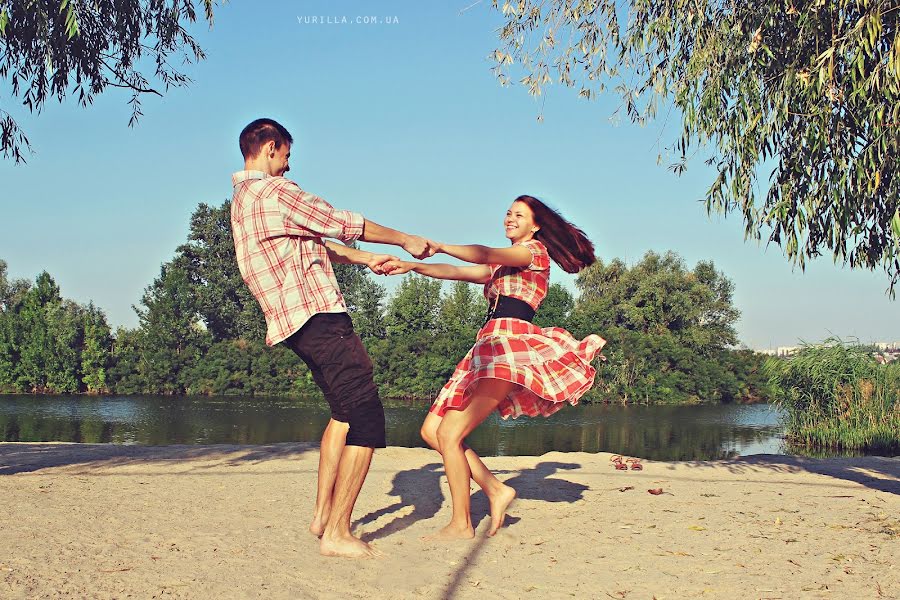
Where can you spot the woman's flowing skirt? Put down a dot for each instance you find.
(549, 366)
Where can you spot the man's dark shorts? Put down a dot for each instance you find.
(341, 367)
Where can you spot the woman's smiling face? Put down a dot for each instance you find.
(519, 222)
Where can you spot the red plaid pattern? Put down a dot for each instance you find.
(529, 284)
(278, 230)
(549, 365)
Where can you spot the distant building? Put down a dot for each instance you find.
(787, 350)
(885, 352)
(887, 346)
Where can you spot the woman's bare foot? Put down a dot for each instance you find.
(347, 547)
(452, 532)
(500, 501)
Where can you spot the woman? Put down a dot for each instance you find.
(514, 367)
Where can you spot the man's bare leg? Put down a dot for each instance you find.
(499, 494)
(337, 539)
(333, 441)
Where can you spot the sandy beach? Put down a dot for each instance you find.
(105, 521)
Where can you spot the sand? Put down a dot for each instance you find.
(104, 521)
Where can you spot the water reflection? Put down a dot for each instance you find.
(653, 432)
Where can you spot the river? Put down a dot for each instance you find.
(699, 432)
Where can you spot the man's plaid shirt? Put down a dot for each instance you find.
(278, 230)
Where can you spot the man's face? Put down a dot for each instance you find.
(278, 165)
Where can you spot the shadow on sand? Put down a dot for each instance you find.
(18, 457)
(873, 472)
(421, 489)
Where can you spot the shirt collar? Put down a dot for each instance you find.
(242, 176)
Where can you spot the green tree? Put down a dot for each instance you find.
(364, 299)
(224, 302)
(12, 297)
(11, 292)
(462, 310)
(64, 339)
(278, 372)
(4, 284)
(461, 315)
(415, 307)
(31, 372)
(125, 355)
(172, 337)
(659, 295)
(96, 351)
(555, 309)
(367, 309)
(42, 341)
(241, 367)
(49, 344)
(10, 340)
(59, 48)
(669, 331)
(407, 361)
(224, 369)
(803, 93)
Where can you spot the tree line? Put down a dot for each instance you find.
(670, 330)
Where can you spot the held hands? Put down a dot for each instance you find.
(420, 247)
(376, 262)
(397, 267)
(385, 264)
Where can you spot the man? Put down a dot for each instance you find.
(278, 237)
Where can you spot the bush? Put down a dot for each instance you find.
(837, 396)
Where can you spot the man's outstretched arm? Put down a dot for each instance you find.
(339, 253)
(415, 245)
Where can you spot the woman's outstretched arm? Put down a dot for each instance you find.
(339, 253)
(476, 274)
(514, 256)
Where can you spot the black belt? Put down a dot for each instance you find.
(509, 307)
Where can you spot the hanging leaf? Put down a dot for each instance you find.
(895, 226)
(132, 44)
(795, 106)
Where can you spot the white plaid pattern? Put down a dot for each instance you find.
(278, 230)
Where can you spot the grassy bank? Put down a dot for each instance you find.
(838, 397)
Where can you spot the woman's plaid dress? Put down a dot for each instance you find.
(549, 365)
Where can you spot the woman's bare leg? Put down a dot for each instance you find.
(453, 429)
(499, 494)
(480, 473)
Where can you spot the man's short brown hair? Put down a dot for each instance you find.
(259, 133)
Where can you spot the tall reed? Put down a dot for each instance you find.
(837, 396)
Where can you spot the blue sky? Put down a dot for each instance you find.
(402, 120)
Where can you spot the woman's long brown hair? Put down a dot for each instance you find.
(568, 245)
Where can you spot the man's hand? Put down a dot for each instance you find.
(397, 267)
(376, 262)
(418, 246)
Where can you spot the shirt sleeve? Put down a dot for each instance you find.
(307, 215)
(540, 259)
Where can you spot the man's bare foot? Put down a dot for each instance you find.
(347, 547)
(500, 501)
(451, 532)
(317, 527)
